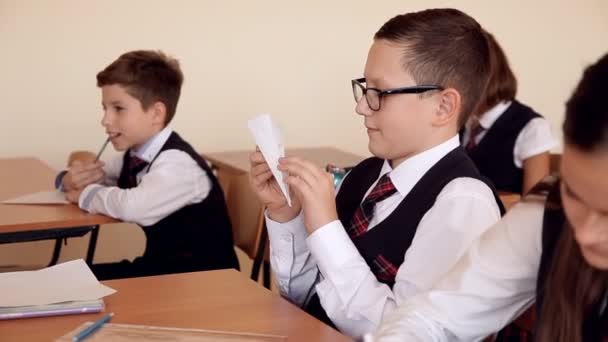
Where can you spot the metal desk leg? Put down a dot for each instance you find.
(56, 252)
(266, 274)
(92, 245)
(258, 261)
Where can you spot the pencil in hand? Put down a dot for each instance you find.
(103, 147)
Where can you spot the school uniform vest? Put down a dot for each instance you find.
(595, 328)
(493, 156)
(194, 238)
(384, 246)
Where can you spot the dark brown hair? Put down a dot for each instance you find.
(502, 84)
(443, 47)
(586, 122)
(575, 288)
(149, 76)
(573, 291)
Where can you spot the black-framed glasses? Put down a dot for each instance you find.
(374, 96)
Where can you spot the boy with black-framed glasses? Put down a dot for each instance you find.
(402, 218)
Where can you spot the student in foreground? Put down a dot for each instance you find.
(551, 248)
(402, 218)
(508, 141)
(160, 183)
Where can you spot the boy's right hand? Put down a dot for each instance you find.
(81, 174)
(268, 191)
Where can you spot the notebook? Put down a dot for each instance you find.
(67, 288)
(65, 308)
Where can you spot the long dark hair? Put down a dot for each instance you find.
(574, 288)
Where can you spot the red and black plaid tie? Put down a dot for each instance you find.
(383, 189)
(134, 166)
(476, 130)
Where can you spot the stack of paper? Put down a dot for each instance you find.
(66, 288)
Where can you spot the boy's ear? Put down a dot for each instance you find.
(449, 107)
(159, 110)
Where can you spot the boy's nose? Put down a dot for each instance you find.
(362, 108)
(105, 121)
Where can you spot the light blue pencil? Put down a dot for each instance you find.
(92, 328)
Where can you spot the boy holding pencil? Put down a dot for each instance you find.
(160, 183)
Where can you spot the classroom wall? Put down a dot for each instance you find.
(291, 59)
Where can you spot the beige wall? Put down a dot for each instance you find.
(293, 59)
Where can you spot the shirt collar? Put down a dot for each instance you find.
(150, 148)
(411, 170)
(488, 118)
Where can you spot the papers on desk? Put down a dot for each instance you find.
(42, 197)
(267, 136)
(72, 284)
(133, 333)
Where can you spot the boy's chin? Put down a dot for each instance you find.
(120, 147)
(376, 150)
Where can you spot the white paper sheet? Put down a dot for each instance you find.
(69, 281)
(42, 197)
(267, 136)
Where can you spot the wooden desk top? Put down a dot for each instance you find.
(20, 176)
(217, 300)
(238, 161)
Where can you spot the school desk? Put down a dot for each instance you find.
(20, 223)
(223, 300)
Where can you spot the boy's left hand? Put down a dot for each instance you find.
(73, 195)
(314, 188)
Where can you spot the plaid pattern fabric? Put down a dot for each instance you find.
(475, 131)
(384, 269)
(134, 166)
(383, 189)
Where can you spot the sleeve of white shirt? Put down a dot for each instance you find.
(294, 267)
(492, 284)
(350, 293)
(173, 181)
(535, 138)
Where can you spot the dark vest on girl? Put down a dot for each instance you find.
(493, 156)
(384, 246)
(595, 328)
(196, 237)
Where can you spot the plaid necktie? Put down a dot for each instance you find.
(383, 189)
(476, 130)
(134, 166)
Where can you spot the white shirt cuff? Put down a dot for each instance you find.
(86, 196)
(290, 232)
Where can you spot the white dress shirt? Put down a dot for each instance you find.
(329, 263)
(490, 286)
(172, 182)
(535, 138)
